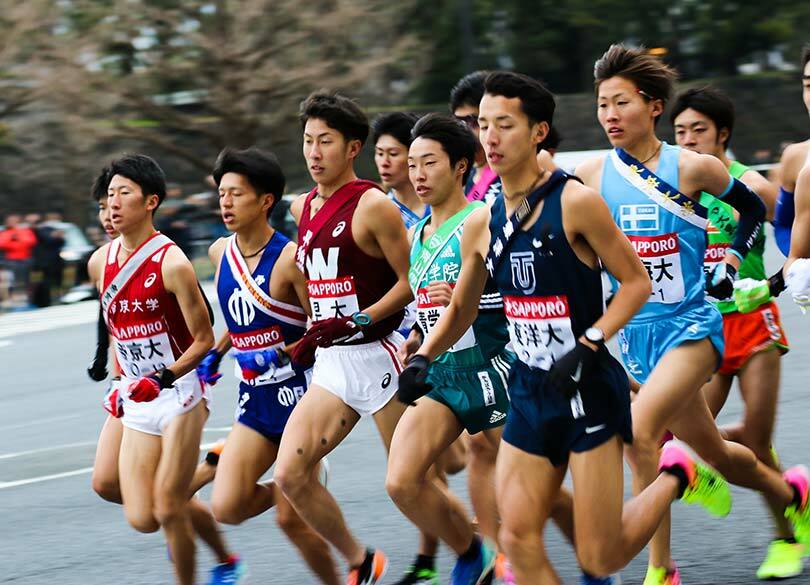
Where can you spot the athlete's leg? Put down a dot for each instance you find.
(562, 514)
(105, 466)
(454, 458)
(137, 465)
(482, 453)
(419, 496)
(203, 523)
(236, 495)
(318, 424)
(716, 392)
(387, 419)
(314, 549)
(526, 486)
(181, 447)
(203, 475)
(611, 533)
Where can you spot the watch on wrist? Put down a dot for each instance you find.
(595, 336)
(166, 377)
(361, 319)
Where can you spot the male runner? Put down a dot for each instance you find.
(570, 399)
(260, 292)
(469, 380)
(353, 250)
(157, 317)
(674, 344)
(703, 119)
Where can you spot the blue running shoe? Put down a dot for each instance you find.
(475, 570)
(229, 573)
(610, 580)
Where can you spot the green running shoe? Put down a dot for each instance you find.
(798, 478)
(414, 576)
(784, 559)
(706, 486)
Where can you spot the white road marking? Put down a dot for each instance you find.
(39, 421)
(5, 342)
(46, 449)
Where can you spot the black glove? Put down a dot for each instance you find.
(412, 383)
(720, 282)
(776, 283)
(98, 369)
(568, 371)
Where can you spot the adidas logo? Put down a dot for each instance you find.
(448, 253)
(496, 416)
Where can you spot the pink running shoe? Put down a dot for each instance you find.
(798, 478)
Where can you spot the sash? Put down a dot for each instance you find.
(658, 190)
(131, 265)
(436, 243)
(481, 186)
(510, 226)
(284, 312)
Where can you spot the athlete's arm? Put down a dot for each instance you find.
(463, 307)
(586, 215)
(294, 277)
(791, 163)
(297, 207)
(590, 171)
(95, 266)
(215, 253)
(180, 280)
(382, 219)
(766, 190)
(800, 235)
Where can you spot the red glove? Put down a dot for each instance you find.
(330, 331)
(302, 354)
(112, 401)
(145, 389)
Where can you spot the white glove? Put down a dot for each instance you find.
(798, 283)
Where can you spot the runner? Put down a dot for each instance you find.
(105, 467)
(469, 380)
(260, 292)
(353, 250)
(570, 398)
(674, 344)
(703, 119)
(158, 320)
(391, 136)
(797, 267)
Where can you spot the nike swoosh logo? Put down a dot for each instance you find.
(578, 374)
(591, 430)
(537, 243)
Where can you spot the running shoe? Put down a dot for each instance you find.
(661, 576)
(503, 570)
(423, 576)
(799, 513)
(784, 560)
(476, 570)
(212, 457)
(705, 486)
(371, 571)
(609, 580)
(230, 573)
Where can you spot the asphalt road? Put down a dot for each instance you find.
(56, 530)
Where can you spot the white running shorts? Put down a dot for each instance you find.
(153, 417)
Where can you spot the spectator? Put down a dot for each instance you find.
(17, 244)
(48, 260)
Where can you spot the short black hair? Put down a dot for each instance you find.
(98, 190)
(339, 112)
(535, 100)
(261, 169)
(454, 136)
(468, 91)
(805, 56)
(709, 101)
(142, 170)
(396, 124)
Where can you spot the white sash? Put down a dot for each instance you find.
(285, 312)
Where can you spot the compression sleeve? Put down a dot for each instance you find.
(785, 210)
(752, 214)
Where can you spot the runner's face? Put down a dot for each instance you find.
(469, 115)
(239, 205)
(431, 174)
(626, 116)
(697, 132)
(806, 86)
(128, 207)
(509, 139)
(327, 152)
(104, 218)
(391, 158)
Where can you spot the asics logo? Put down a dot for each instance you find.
(339, 229)
(150, 280)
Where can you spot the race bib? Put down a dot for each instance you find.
(661, 256)
(268, 338)
(336, 297)
(428, 313)
(540, 329)
(715, 253)
(143, 348)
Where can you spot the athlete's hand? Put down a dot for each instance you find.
(208, 368)
(750, 294)
(720, 281)
(302, 353)
(412, 385)
(145, 389)
(440, 293)
(330, 331)
(568, 371)
(98, 369)
(798, 283)
(113, 402)
(409, 347)
(256, 363)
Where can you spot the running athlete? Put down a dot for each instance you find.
(353, 250)
(675, 343)
(157, 317)
(105, 467)
(391, 136)
(469, 381)
(703, 119)
(260, 292)
(570, 399)
(797, 267)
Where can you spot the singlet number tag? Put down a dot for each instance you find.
(661, 256)
(539, 328)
